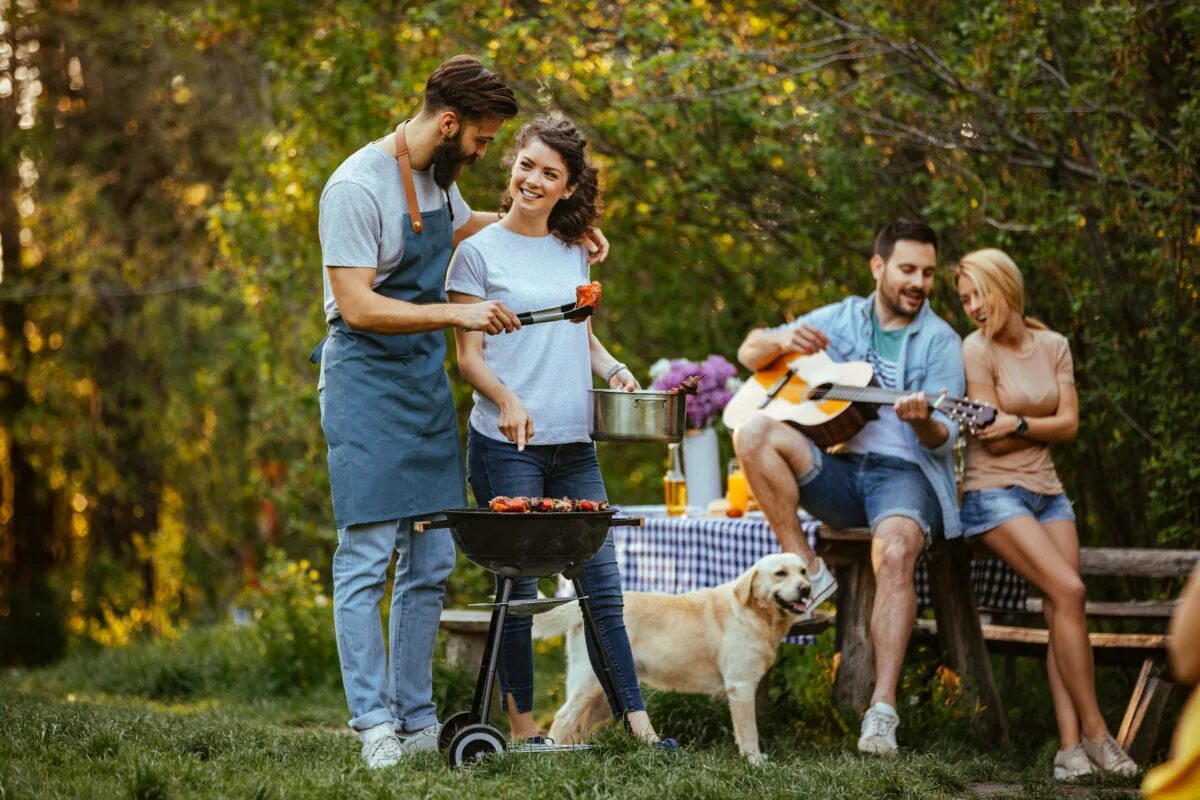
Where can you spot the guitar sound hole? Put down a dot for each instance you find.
(819, 392)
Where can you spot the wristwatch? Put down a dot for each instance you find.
(1021, 429)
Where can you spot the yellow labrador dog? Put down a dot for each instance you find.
(716, 641)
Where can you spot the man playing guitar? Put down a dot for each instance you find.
(896, 474)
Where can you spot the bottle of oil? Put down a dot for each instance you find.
(674, 484)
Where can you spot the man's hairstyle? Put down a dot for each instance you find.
(469, 89)
(912, 230)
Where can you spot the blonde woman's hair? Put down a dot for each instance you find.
(999, 284)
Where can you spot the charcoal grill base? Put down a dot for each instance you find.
(450, 737)
(515, 546)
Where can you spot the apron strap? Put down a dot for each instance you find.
(410, 190)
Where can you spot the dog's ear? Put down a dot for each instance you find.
(743, 590)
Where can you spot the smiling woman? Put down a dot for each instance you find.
(528, 432)
(1012, 495)
(550, 152)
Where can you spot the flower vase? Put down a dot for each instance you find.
(701, 466)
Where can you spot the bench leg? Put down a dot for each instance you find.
(856, 663)
(960, 635)
(464, 651)
(1143, 716)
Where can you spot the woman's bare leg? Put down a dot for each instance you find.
(1035, 555)
(520, 723)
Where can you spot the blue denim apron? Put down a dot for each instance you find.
(388, 412)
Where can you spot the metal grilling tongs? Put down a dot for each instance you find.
(569, 311)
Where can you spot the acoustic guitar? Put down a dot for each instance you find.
(831, 402)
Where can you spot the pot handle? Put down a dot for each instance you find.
(633, 522)
(424, 525)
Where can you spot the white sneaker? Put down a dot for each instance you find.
(1072, 763)
(1107, 756)
(380, 746)
(423, 741)
(822, 586)
(879, 730)
(533, 744)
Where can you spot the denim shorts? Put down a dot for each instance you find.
(984, 509)
(855, 490)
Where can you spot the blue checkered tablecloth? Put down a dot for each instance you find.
(680, 554)
(674, 555)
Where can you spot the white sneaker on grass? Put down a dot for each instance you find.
(1072, 763)
(380, 746)
(879, 730)
(822, 586)
(423, 741)
(1107, 756)
(533, 744)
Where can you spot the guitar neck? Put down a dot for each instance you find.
(863, 394)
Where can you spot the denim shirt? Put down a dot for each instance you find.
(930, 360)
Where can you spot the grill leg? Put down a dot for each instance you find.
(608, 680)
(481, 708)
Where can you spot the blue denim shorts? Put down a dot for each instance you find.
(855, 490)
(984, 509)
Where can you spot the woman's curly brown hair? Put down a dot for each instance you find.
(572, 216)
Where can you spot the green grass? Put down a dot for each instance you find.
(208, 716)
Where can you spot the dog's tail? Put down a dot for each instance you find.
(557, 621)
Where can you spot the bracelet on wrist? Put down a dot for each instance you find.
(613, 370)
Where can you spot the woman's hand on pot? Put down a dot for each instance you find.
(516, 424)
(623, 379)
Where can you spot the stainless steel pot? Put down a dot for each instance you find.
(619, 416)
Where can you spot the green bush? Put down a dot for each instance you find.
(293, 627)
(800, 688)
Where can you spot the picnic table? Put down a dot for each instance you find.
(680, 554)
(674, 555)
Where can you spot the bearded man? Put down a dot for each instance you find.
(896, 475)
(390, 217)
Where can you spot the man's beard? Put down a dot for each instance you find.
(894, 299)
(448, 160)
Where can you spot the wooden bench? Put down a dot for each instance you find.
(967, 641)
(466, 634)
(1151, 694)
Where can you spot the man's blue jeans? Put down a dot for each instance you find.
(396, 685)
(562, 470)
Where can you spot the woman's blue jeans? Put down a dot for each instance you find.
(562, 470)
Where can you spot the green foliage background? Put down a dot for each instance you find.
(160, 165)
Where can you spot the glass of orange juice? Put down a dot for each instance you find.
(737, 489)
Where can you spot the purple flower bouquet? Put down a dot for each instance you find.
(718, 382)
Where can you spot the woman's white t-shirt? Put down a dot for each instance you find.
(547, 365)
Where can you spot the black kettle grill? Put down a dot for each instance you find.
(520, 545)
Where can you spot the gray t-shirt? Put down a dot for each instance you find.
(548, 366)
(361, 215)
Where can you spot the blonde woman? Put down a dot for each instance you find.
(1012, 495)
